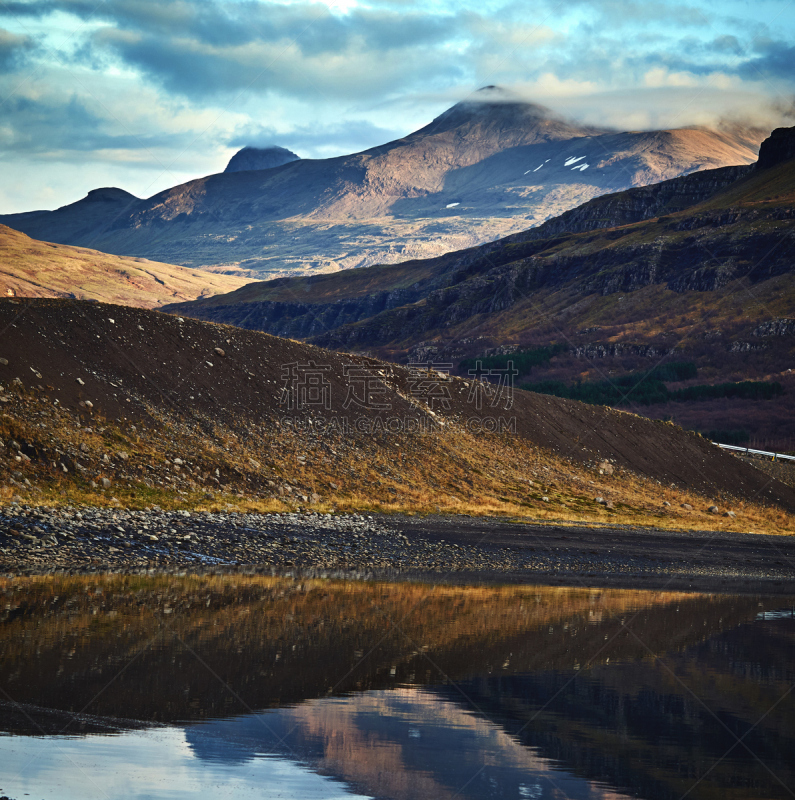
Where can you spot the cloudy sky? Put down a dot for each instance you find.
(145, 94)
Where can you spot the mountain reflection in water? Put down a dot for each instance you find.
(392, 690)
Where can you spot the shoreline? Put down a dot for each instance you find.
(437, 549)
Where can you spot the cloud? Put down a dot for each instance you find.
(317, 141)
(64, 128)
(13, 50)
(777, 60)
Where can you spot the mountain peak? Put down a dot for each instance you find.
(108, 194)
(251, 158)
(493, 111)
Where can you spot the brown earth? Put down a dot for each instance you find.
(96, 380)
(30, 268)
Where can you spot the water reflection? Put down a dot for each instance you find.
(279, 688)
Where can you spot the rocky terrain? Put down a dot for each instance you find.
(30, 268)
(128, 408)
(90, 539)
(483, 169)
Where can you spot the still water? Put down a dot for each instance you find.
(245, 687)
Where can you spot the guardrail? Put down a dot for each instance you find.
(750, 451)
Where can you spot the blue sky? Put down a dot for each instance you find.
(144, 94)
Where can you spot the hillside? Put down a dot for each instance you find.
(482, 169)
(163, 408)
(697, 268)
(29, 268)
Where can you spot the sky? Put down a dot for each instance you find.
(146, 94)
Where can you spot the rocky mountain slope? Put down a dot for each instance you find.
(106, 401)
(482, 169)
(29, 268)
(697, 267)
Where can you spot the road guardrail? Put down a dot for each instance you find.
(750, 451)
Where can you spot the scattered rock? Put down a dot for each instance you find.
(713, 510)
(600, 500)
(106, 483)
(666, 503)
(729, 514)
(606, 468)
(220, 352)
(81, 381)
(687, 507)
(546, 499)
(4, 362)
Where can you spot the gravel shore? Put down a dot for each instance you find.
(450, 548)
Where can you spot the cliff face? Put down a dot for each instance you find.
(776, 149)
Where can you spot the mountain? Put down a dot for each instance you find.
(92, 391)
(75, 222)
(259, 158)
(483, 169)
(698, 267)
(29, 268)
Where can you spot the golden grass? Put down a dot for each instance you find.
(31, 268)
(452, 471)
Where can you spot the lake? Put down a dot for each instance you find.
(257, 687)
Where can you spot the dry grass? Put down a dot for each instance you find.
(30, 268)
(267, 469)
